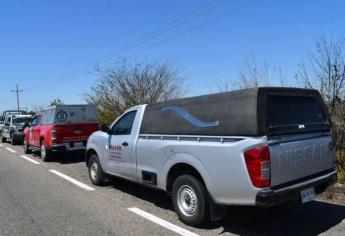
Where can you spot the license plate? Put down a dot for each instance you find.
(78, 144)
(307, 195)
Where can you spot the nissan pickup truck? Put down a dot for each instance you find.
(255, 147)
(13, 128)
(60, 128)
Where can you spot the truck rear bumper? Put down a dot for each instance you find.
(290, 193)
(64, 147)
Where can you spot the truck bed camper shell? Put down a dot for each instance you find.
(247, 112)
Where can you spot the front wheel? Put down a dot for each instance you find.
(190, 200)
(26, 147)
(96, 173)
(13, 141)
(3, 140)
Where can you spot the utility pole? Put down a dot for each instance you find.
(17, 91)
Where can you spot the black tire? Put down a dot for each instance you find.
(3, 139)
(26, 147)
(45, 154)
(96, 174)
(194, 209)
(13, 141)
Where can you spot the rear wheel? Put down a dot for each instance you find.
(190, 200)
(45, 154)
(26, 147)
(96, 174)
(3, 140)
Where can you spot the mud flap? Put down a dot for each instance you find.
(218, 212)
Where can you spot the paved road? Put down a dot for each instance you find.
(35, 201)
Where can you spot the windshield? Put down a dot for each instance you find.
(22, 120)
(295, 114)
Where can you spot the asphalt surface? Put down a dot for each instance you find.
(34, 201)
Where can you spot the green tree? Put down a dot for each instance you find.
(325, 71)
(124, 85)
(56, 101)
(253, 75)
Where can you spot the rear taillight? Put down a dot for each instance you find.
(53, 135)
(259, 166)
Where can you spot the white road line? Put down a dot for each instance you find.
(73, 181)
(162, 222)
(0, 145)
(29, 159)
(11, 150)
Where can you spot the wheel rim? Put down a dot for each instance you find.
(187, 200)
(94, 170)
(43, 151)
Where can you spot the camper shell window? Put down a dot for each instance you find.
(294, 114)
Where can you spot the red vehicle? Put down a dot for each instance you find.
(60, 128)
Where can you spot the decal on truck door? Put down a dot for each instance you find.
(115, 152)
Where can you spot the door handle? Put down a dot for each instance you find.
(125, 144)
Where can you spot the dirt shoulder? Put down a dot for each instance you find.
(335, 194)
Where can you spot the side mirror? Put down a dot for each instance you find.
(105, 128)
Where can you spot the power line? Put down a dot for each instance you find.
(193, 29)
(166, 28)
(152, 35)
(183, 19)
(17, 91)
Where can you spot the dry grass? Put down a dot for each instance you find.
(340, 162)
(335, 194)
(341, 176)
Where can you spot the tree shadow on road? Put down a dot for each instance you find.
(64, 157)
(296, 219)
(312, 218)
(157, 197)
(68, 157)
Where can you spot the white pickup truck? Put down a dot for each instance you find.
(259, 147)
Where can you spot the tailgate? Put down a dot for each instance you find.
(299, 156)
(74, 132)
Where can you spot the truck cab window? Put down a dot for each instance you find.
(39, 120)
(124, 125)
(34, 121)
(48, 117)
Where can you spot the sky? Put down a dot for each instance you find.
(51, 48)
